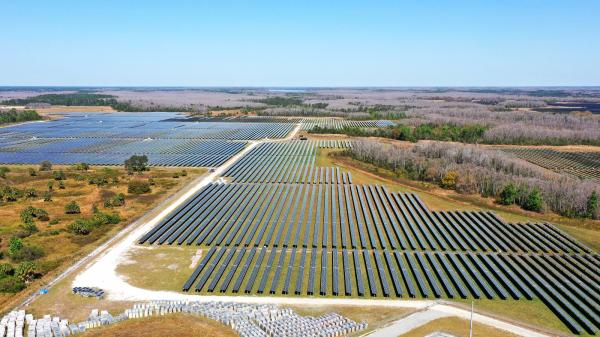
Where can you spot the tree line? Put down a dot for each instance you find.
(92, 99)
(442, 132)
(471, 169)
(17, 116)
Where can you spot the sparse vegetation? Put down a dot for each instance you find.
(138, 187)
(39, 231)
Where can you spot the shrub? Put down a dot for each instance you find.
(45, 166)
(47, 196)
(86, 226)
(80, 227)
(115, 201)
(41, 214)
(27, 253)
(449, 180)
(50, 185)
(27, 214)
(6, 269)
(99, 180)
(10, 193)
(138, 187)
(53, 222)
(25, 271)
(29, 228)
(184, 173)
(61, 185)
(14, 245)
(32, 172)
(58, 175)
(175, 175)
(3, 171)
(11, 284)
(31, 193)
(81, 166)
(72, 208)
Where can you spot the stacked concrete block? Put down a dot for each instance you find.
(248, 320)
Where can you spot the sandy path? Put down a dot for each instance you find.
(409, 323)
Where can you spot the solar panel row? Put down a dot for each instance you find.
(400, 274)
(268, 214)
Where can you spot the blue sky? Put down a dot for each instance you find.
(300, 43)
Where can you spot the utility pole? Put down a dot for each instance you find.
(471, 323)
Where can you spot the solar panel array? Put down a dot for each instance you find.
(581, 164)
(337, 123)
(285, 234)
(111, 138)
(292, 161)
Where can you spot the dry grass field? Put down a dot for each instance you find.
(59, 245)
(171, 325)
(457, 327)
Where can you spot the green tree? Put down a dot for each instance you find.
(136, 163)
(508, 196)
(591, 205)
(534, 201)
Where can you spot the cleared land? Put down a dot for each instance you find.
(457, 327)
(171, 325)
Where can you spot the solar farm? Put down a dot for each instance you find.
(581, 164)
(109, 139)
(334, 123)
(282, 226)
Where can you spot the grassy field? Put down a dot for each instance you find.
(457, 327)
(533, 313)
(60, 246)
(170, 325)
(175, 261)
